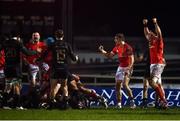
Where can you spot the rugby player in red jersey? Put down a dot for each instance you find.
(124, 71)
(33, 44)
(34, 66)
(157, 60)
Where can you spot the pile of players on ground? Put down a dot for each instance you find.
(80, 97)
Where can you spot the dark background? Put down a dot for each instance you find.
(95, 17)
(107, 17)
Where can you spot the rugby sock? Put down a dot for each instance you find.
(76, 93)
(66, 99)
(160, 93)
(16, 100)
(160, 86)
(5, 98)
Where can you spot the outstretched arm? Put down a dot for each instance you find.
(146, 29)
(105, 53)
(27, 52)
(157, 28)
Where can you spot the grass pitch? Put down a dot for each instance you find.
(91, 114)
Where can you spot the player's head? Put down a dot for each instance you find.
(119, 38)
(35, 37)
(49, 41)
(59, 34)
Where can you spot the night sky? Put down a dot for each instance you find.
(107, 17)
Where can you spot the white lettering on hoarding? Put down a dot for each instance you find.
(173, 97)
(152, 95)
(124, 94)
(170, 94)
(139, 95)
(111, 103)
(104, 92)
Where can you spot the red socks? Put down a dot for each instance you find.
(160, 93)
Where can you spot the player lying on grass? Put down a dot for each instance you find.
(77, 88)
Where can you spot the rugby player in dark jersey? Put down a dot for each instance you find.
(61, 51)
(13, 49)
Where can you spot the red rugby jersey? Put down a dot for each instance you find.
(156, 47)
(33, 46)
(124, 52)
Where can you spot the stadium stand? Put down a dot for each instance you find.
(99, 72)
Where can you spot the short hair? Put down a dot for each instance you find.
(35, 33)
(59, 33)
(120, 36)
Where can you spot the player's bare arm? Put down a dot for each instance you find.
(157, 28)
(105, 53)
(146, 29)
